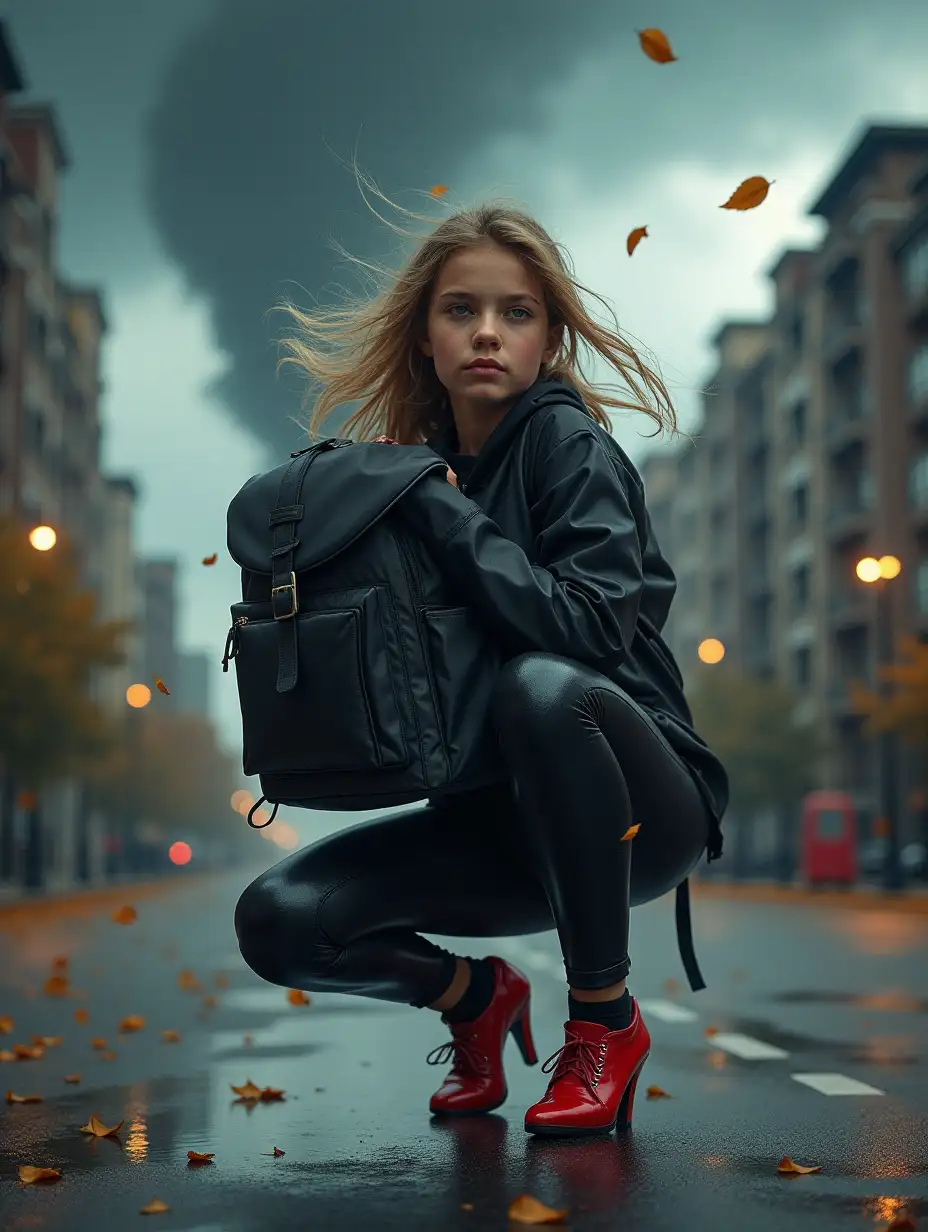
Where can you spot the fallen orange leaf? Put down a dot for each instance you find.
(710, 1031)
(277, 1152)
(29, 1175)
(6, 1055)
(211, 560)
(672, 986)
(630, 832)
(96, 1127)
(655, 45)
(197, 1157)
(270, 1093)
(81, 1016)
(467, 1206)
(749, 194)
(787, 1165)
(296, 996)
(25, 1053)
(155, 1207)
(6, 1025)
(161, 686)
(98, 1042)
(209, 1002)
(47, 1041)
(125, 915)
(108, 1055)
(657, 1093)
(170, 1037)
(248, 1091)
(56, 986)
(247, 1040)
(72, 1078)
(135, 1022)
(221, 979)
(60, 963)
(188, 982)
(526, 1209)
(13, 1098)
(634, 238)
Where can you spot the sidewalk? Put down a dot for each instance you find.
(913, 900)
(87, 901)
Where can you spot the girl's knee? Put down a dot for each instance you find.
(536, 684)
(256, 922)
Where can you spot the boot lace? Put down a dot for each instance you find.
(576, 1056)
(464, 1049)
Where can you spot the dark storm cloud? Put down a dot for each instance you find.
(246, 195)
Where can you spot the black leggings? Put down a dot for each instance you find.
(542, 850)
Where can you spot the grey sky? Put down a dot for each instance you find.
(202, 188)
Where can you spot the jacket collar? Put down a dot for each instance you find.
(542, 393)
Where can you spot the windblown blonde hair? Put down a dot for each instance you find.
(375, 357)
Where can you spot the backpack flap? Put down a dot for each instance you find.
(350, 490)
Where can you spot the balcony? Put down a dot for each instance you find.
(757, 581)
(918, 410)
(756, 504)
(848, 519)
(848, 608)
(847, 425)
(843, 335)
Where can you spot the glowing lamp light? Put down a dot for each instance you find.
(179, 853)
(138, 695)
(241, 801)
(870, 569)
(43, 538)
(711, 650)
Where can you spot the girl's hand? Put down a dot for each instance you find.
(452, 478)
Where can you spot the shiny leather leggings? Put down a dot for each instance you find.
(542, 850)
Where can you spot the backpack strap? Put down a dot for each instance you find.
(685, 936)
(282, 522)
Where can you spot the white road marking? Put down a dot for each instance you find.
(835, 1084)
(667, 1011)
(746, 1047)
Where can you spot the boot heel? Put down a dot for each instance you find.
(521, 1032)
(624, 1118)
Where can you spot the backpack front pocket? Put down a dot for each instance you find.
(343, 713)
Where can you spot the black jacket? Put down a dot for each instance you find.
(549, 538)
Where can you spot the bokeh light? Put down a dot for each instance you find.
(180, 853)
(138, 695)
(43, 538)
(711, 650)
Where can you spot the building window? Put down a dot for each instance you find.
(800, 588)
(802, 666)
(796, 332)
(915, 269)
(797, 423)
(799, 506)
(918, 374)
(918, 482)
(921, 585)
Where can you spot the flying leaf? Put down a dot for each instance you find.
(439, 190)
(296, 996)
(72, 1078)
(155, 1207)
(135, 1022)
(634, 238)
(13, 1098)
(211, 560)
(526, 1209)
(630, 832)
(96, 1127)
(6, 1026)
(161, 686)
(749, 194)
(125, 915)
(657, 1093)
(197, 1157)
(30, 1176)
(655, 45)
(786, 1165)
(81, 1016)
(56, 986)
(170, 1037)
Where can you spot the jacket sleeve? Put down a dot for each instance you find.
(581, 600)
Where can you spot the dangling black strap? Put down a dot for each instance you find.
(685, 936)
(254, 809)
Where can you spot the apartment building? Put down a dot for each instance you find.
(812, 453)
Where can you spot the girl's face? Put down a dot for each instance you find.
(486, 304)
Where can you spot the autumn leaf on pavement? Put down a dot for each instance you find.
(672, 986)
(161, 686)
(197, 1157)
(81, 1016)
(188, 982)
(135, 1022)
(211, 560)
(170, 1037)
(655, 45)
(23, 1052)
(108, 1055)
(296, 996)
(634, 238)
(47, 1041)
(749, 194)
(98, 1042)
(60, 964)
(526, 1209)
(787, 1166)
(96, 1127)
(56, 986)
(155, 1207)
(7, 1055)
(13, 1098)
(248, 1091)
(6, 1025)
(210, 1002)
(125, 915)
(277, 1152)
(269, 1094)
(72, 1078)
(30, 1176)
(710, 1031)
(221, 979)
(657, 1093)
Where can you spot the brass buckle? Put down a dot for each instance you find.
(291, 586)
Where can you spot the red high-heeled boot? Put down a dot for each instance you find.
(476, 1081)
(592, 1089)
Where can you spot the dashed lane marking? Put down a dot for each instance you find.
(746, 1047)
(835, 1084)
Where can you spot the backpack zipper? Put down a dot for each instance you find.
(232, 641)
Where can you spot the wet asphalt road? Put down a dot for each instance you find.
(793, 991)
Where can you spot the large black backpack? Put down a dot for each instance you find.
(361, 686)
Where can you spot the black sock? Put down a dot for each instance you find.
(615, 1015)
(479, 992)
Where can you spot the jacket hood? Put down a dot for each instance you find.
(543, 393)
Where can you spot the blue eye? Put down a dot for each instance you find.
(452, 307)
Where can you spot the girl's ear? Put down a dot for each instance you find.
(555, 337)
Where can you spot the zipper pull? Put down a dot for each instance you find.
(232, 641)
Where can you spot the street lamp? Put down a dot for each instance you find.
(878, 573)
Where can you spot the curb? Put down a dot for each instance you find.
(909, 902)
(95, 898)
